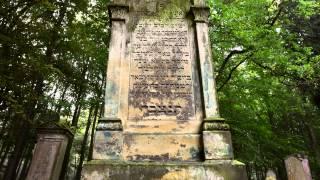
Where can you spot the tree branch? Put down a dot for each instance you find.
(233, 69)
(227, 59)
(273, 20)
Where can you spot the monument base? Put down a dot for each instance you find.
(122, 170)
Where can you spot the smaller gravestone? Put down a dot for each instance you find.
(298, 168)
(271, 175)
(49, 153)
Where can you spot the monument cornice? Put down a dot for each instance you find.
(111, 124)
(200, 13)
(118, 12)
(56, 130)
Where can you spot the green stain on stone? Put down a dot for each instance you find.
(171, 9)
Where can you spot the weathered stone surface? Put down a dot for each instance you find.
(160, 147)
(108, 145)
(205, 56)
(49, 154)
(221, 170)
(217, 145)
(161, 74)
(117, 49)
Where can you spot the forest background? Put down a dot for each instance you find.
(266, 54)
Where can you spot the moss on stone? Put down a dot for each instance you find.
(237, 163)
(165, 14)
(172, 8)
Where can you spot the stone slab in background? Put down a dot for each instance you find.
(271, 175)
(49, 154)
(297, 168)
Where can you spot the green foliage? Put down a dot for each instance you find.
(51, 61)
(268, 78)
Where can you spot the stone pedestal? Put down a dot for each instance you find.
(161, 116)
(49, 153)
(217, 140)
(117, 170)
(108, 140)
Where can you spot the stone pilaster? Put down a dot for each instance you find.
(209, 93)
(118, 16)
(216, 134)
(109, 136)
(217, 140)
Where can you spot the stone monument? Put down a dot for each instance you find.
(49, 154)
(161, 118)
(297, 167)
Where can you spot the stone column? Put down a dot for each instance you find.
(216, 134)
(49, 153)
(117, 47)
(108, 137)
(201, 14)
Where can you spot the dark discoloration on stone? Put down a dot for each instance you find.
(161, 157)
(155, 91)
(194, 153)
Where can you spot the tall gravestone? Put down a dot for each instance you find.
(49, 154)
(298, 168)
(161, 118)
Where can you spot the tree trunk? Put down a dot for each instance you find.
(25, 168)
(4, 124)
(75, 116)
(83, 145)
(4, 156)
(92, 132)
(59, 106)
(314, 143)
(80, 95)
(23, 160)
(25, 163)
(18, 151)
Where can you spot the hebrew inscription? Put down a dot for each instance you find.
(160, 73)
